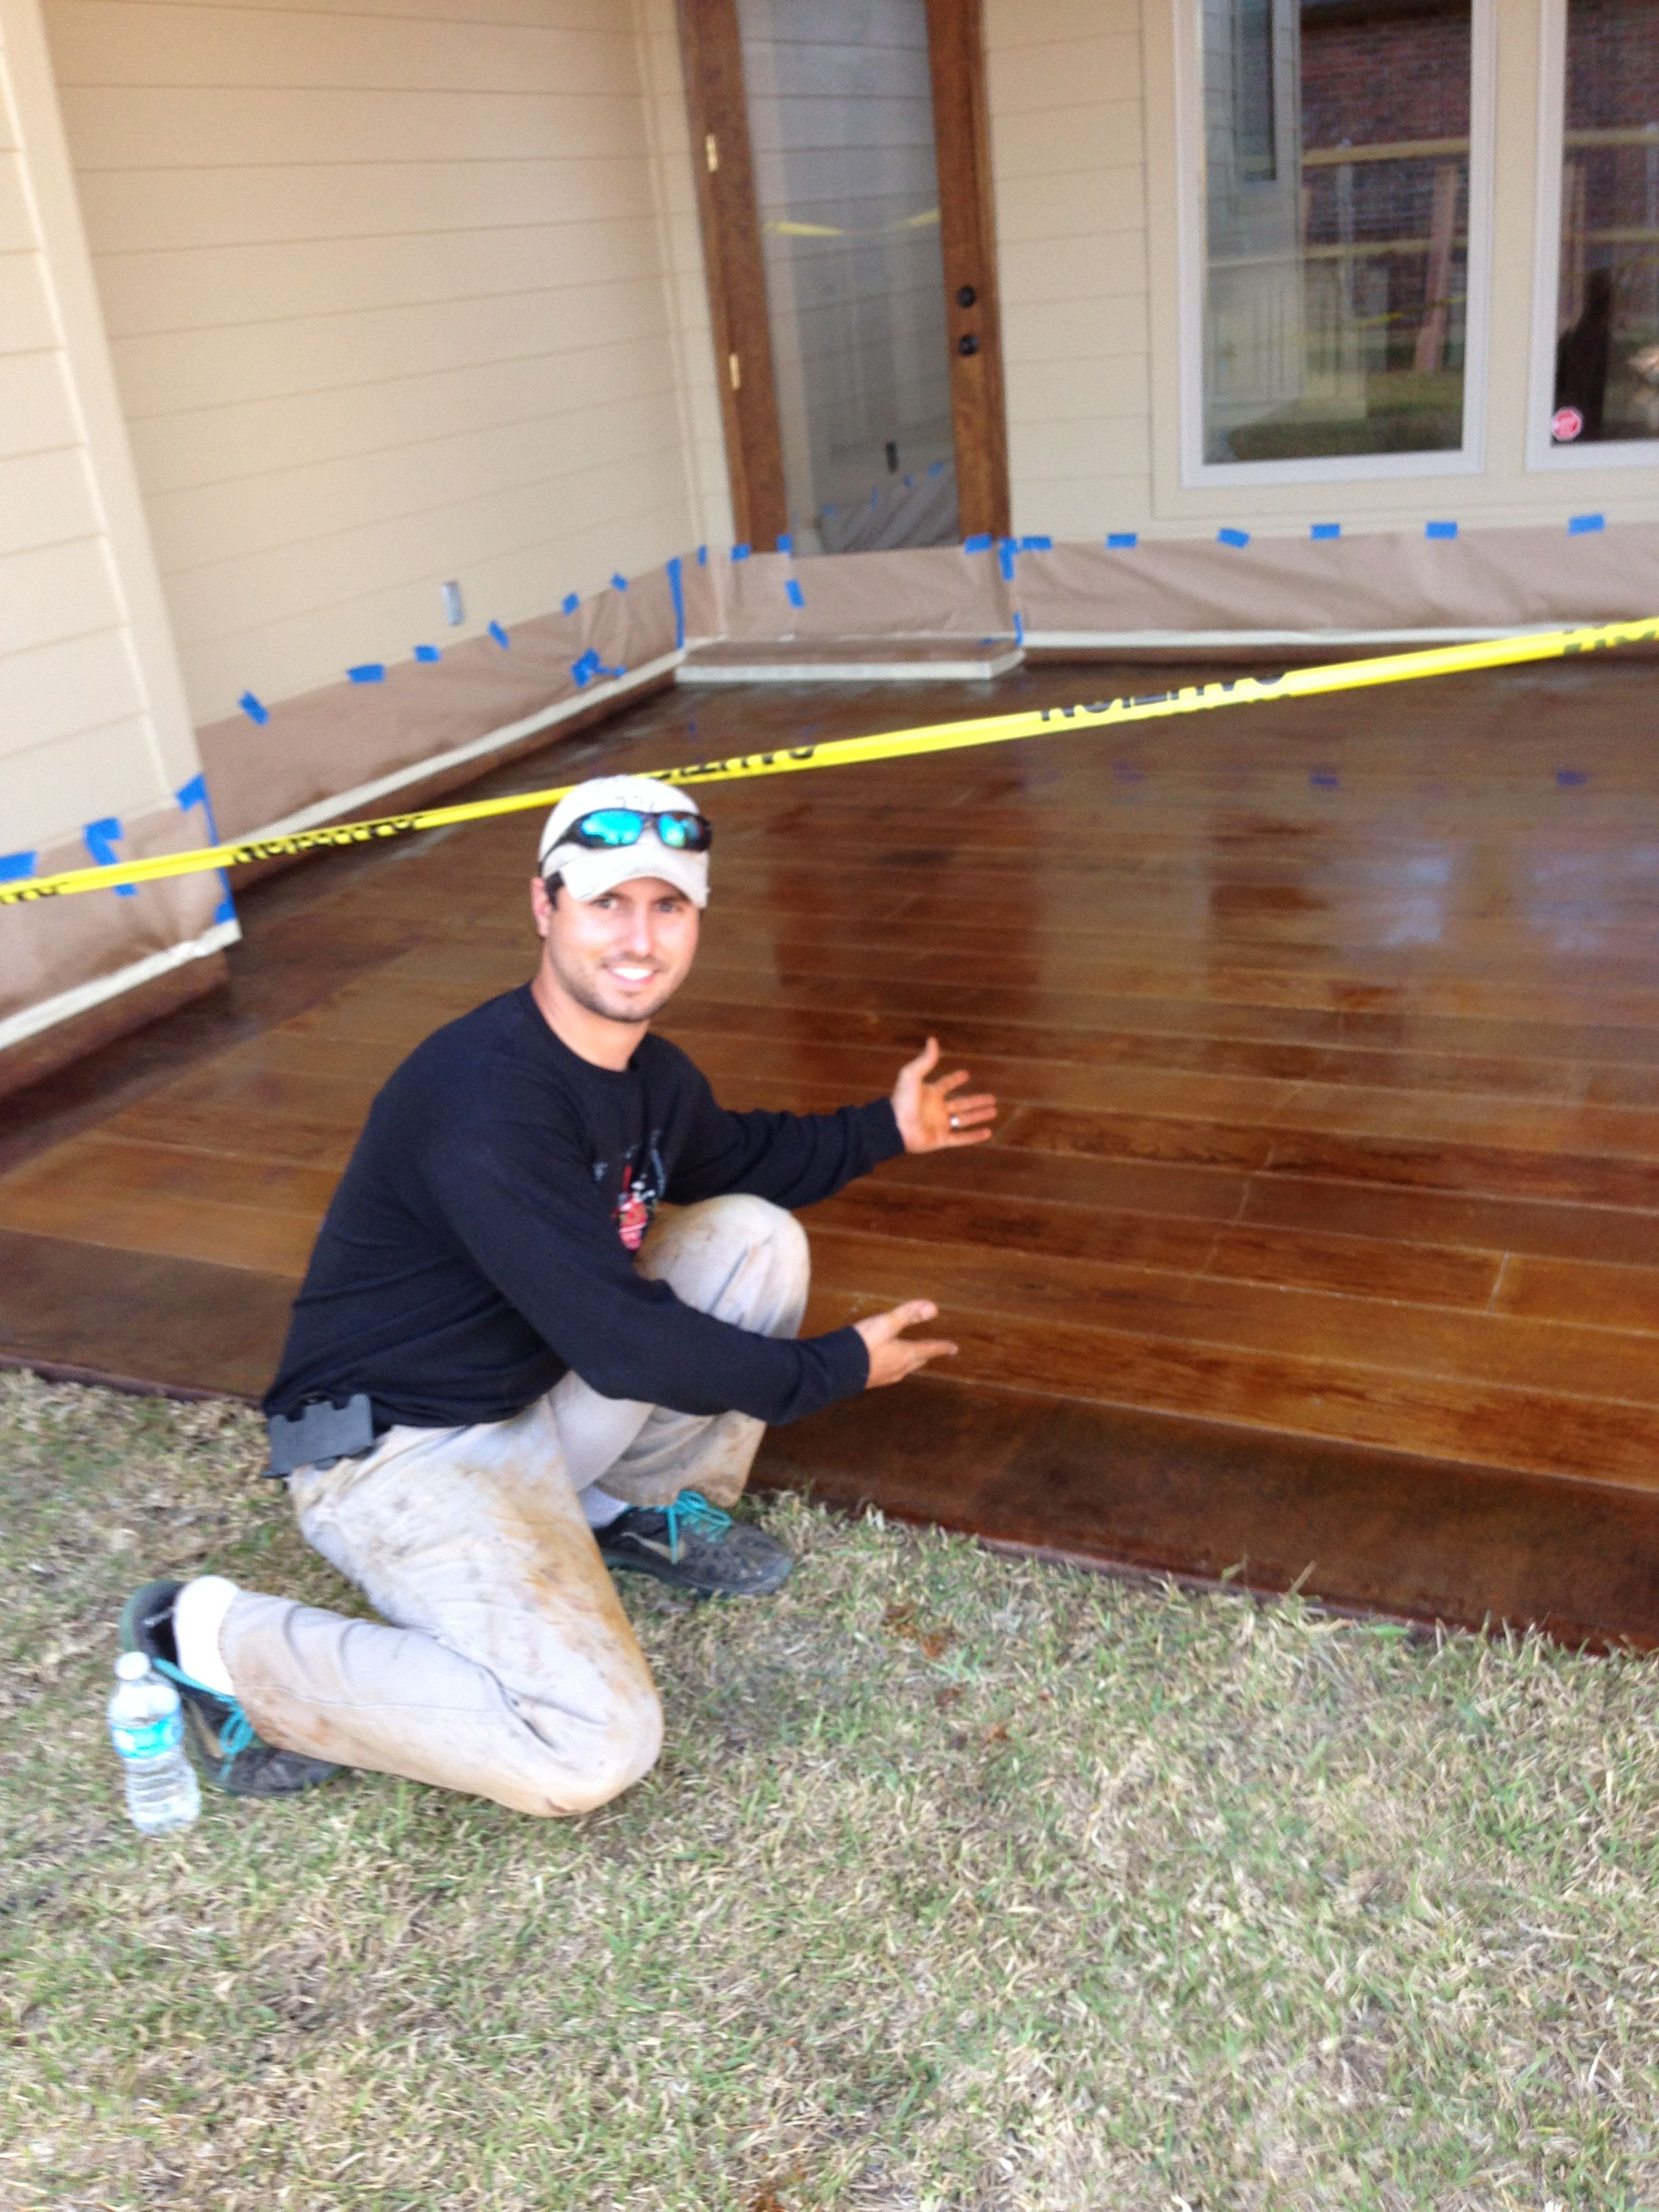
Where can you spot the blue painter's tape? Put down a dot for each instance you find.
(100, 839)
(1579, 525)
(1324, 530)
(368, 671)
(739, 552)
(14, 866)
(979, 543)
(195, 794)
(499, 635)
(428, 652)
(619, 582)
(1120, 541)
(1019, 627)
(787, 543)
(1036, 544)
(936, 468)
(569, 603)
(703, 557)
(1005, 551)
(1232, 537)
(796, 597)
(677, 592)
(1440, 530)
(255, 709)
(582, 670)
(1571, 775)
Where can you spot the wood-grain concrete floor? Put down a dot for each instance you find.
(1320, 1241)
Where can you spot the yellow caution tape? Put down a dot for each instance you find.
(898, 744)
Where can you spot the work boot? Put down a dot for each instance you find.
(234, 1758)
(692, 1546)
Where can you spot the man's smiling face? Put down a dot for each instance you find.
(622, 956)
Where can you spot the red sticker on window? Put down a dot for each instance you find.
(1565, 424)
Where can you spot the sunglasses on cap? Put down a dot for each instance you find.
(610, 827)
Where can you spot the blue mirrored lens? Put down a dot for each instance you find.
(613, 825)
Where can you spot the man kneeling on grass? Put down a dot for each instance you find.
(504, 1378)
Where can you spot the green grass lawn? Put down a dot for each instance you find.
(963, 1882)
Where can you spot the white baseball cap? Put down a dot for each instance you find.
(591, 870)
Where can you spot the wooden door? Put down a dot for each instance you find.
(968, 338)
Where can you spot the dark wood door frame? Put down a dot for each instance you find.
(737, 274)
(973, 318)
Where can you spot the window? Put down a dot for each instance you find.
(1253, 92)
(1595, 387)
(1332, 315)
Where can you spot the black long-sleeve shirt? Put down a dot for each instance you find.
(480, 1244)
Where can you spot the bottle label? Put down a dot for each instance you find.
(148, 1739)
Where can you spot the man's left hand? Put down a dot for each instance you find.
(931, 1114)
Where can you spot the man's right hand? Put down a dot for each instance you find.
(893, 1355)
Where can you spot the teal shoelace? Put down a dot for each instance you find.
(238, 1732)
(693, 1510)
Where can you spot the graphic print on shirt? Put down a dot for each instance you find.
(640, 1194)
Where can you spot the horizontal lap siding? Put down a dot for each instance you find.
(1068, 134)
(393, 297)
(77, 738)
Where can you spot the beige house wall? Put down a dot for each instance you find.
(93, 721)
(395, 296)
(92, 715)
(1068, 142)
(1087, 165)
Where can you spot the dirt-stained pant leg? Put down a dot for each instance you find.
(745, 1261)
(510, 1672)
(508, 1669)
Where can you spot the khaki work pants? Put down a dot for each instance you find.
(503, 1664)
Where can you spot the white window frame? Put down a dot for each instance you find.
(1467, 460)
(1542, 453)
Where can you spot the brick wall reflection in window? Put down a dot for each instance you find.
(1336, 270)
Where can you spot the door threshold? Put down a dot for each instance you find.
(850, 661)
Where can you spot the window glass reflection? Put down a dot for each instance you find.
(1606, 353)
(841, 118)
(1336, 201)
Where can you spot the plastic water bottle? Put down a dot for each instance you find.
(147, 1727)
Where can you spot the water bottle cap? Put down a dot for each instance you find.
(131, 1666)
